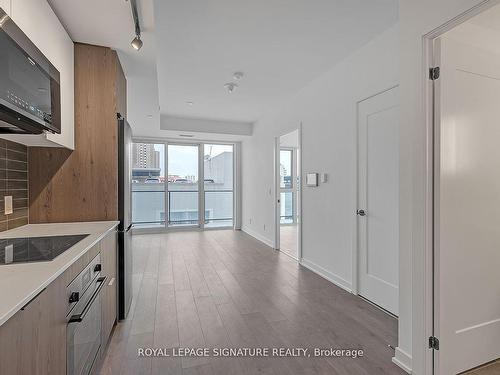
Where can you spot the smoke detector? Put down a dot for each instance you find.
(230, 86)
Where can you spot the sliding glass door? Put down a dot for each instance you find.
(148, 185)
(218, 185)
(183, 185)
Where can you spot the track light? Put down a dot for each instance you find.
(137, 42)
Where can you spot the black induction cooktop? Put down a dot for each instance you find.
(36, 249)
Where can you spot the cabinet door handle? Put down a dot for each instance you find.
(111, 282)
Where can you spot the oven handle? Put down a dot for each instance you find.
(79, 317)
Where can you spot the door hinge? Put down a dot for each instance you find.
(433, 343)
(434, 73)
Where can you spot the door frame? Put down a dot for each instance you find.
(426, 311)
(277, 190)
(236, 184)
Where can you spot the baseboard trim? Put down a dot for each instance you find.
(402, 359)
(337, 280)
(257, 236)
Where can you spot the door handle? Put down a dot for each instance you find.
(361, 212)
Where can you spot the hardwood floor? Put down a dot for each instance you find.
(223, 288)
(289, 240)
(492, 368)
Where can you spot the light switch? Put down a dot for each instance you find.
(312, 179)
(8, 204)
(324, 177)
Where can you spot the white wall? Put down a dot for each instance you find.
(185, 124)
(142, 101)
(327, 109)
(41, 25)
(290, 139)
(417, 18)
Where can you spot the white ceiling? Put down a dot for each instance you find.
(192, 47)
(109, 23)
(281, 45)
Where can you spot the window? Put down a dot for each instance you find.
(167, 190)
(286, 172)
(183, 185)
(218, 185)
(287, 186)
(148, 184)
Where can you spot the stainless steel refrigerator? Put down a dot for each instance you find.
(125, 217)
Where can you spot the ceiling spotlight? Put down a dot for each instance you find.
(137, 43)
(230, 86)
(189, 103)
(238, 75)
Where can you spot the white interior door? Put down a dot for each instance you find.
(378, 198)
(467, 207)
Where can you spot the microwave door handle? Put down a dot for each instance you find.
(79, 317)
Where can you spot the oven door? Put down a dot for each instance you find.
(83, 334)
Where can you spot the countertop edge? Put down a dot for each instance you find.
(59, 272)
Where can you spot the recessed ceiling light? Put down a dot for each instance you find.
(230, 86)
(189, 103)
(238, 75)
(149, 116)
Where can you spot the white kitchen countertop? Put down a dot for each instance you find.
(20, 282)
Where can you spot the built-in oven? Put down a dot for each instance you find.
(83, 333)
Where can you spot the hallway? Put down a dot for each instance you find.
(225, 289)
(289, 239)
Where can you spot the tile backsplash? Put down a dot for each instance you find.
(14, 182)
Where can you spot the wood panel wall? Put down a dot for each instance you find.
(82, 185)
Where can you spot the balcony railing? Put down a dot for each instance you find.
(287, 207)
(149, 207)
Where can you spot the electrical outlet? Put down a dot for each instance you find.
(250, 221)
(8, 204)
(264, 226)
